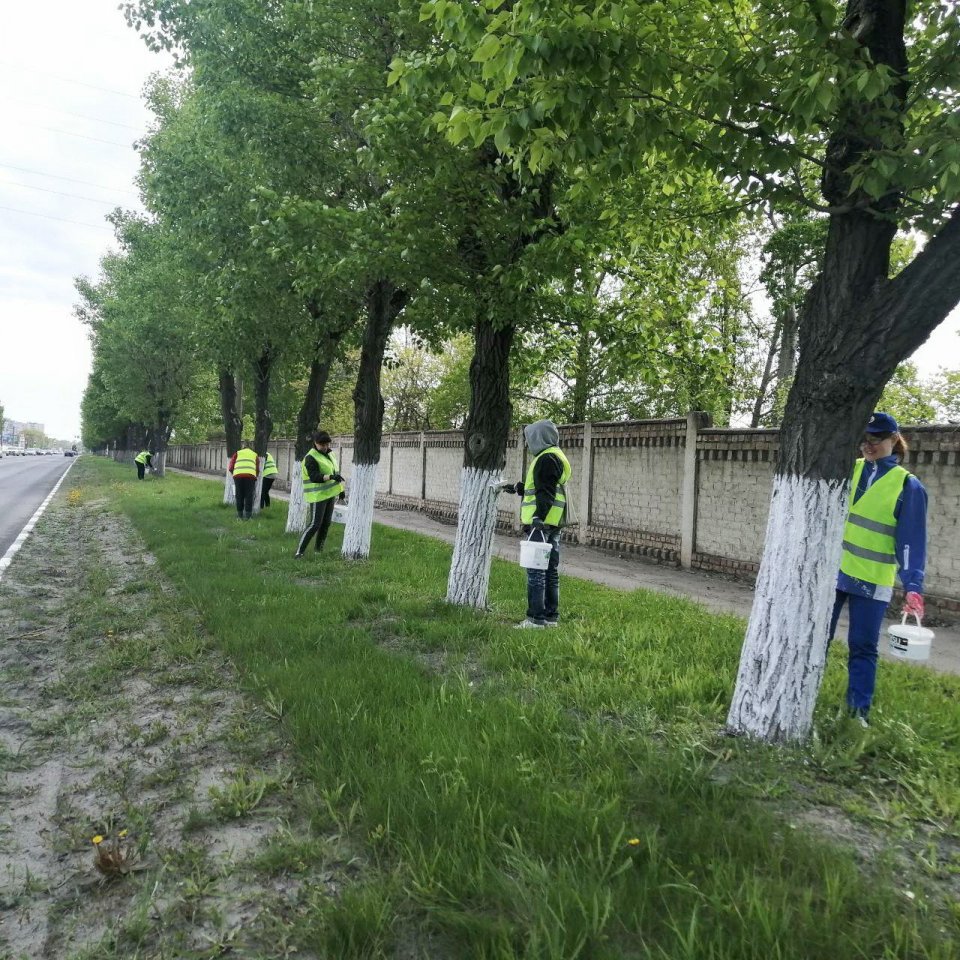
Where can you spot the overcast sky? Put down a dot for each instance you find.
(71, 76)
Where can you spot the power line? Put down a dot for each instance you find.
(59, 193)
(70, 113)
(54, 176)
(79, 83)
(45, 216)
(70, 133)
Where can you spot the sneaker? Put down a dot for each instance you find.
(863, 721)
(529, 624)
(297, 556)
(551, 623)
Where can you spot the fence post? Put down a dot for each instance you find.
(390, 467)
(586, 484)
(423, 469)
(688, 485)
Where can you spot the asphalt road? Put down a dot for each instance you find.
(24, 485)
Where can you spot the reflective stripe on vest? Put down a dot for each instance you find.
(869, 537)
(558, 509)
(246, 463)
(270, 467)
(141, 457)
(315, 492)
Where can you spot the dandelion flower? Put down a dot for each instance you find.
(97, 840)
(122, 834)
(633, 842)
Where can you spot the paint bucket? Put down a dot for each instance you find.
(535, 555)
(908, 641)
(340, 513)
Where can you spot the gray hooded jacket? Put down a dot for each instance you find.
(549, 469)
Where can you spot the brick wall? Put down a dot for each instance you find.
(626, 489)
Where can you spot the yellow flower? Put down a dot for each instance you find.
(633, 842)
(122, 834)
(97, 840)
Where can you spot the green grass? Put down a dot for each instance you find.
(554, 794)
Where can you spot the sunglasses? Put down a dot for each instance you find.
(875, 439)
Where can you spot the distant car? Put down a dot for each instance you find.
(69, 453)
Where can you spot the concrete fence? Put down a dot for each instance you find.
(675, 491)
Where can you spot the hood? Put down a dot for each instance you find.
(540, 435)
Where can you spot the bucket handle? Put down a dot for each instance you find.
(530, 537)
(915, 616)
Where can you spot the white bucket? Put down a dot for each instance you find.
(535, 555)
(909, 642)
(340, 513)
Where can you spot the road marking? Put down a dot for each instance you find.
(7, 558)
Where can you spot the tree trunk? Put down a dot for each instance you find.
(384, 303)
(232, 426)
(263, 422)
(486, 433)
(854, 328)
(308, 419)
(766, 377)
(582, 385)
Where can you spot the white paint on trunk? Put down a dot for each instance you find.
(229, 494)
(363, 488)
(476, 519)
(159, 464)
(784, 651)
(258, 488)
(297, 506)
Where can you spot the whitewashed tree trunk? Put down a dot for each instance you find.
(229, 493)
(257, 490)
(785, 648)
(476, 519)
(363, 488)
(297, 506)
(159, 464)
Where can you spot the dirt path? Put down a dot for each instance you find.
(118, 721)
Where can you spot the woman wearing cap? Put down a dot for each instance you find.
(885, 535)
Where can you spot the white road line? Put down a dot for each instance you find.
(7, 558)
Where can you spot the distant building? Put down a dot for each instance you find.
(12, 429)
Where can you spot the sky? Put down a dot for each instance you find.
(71, 77)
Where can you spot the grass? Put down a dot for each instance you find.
(554, 794)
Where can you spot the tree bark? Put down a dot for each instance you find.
(232, 425)
(384, 303)
(854, 328)
(484, 457)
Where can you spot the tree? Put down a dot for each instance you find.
(143, 330)
(753, 91)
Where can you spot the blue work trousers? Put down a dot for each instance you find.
(863, 640)
(543, 586)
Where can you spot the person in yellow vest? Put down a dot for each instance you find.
(142, 460)
(270, 472)
(244, 465)
(322, 484)
(885, 535)
(543, 513)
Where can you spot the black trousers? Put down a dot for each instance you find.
(265, 491)
(244, 488)
(321, 514)
(141, 470)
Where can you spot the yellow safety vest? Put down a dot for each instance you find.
(246, 463)
(269, 467)
(141, 457)
(869, 537)
(315, 492)
(558, 511)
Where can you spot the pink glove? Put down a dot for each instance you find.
(913, 604)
